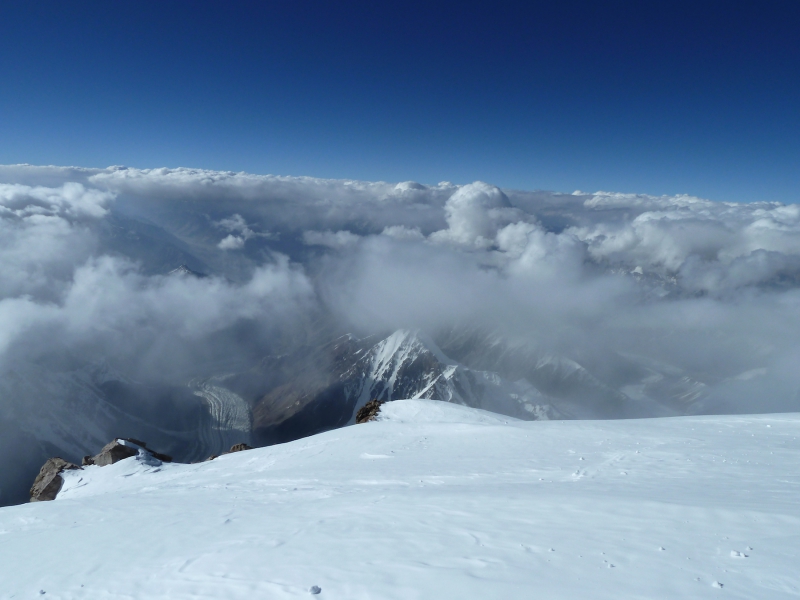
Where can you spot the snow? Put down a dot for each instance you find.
(409, 364)
(427, 411)
(437, 501)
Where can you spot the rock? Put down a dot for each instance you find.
(234, 448)
(239, 448)
(120, 449)
(114, 452)
(49, 481)
(315, 589)
(369, 411)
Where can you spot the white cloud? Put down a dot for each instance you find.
(474, 213)
(149, 324)
(712, 287)
(240, 233)
(331, 239)
(69, 201)
(232, 242)
(401, 232)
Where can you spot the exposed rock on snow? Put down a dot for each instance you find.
(120, 449)
(111, 453)
(369, 411)
(49, 481)
(239, 448)
(235, 448)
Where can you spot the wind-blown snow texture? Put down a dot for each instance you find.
(434, 501)
(131, 300)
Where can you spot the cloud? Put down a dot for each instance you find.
(232, 242)
(44, 232)
(708, 288)
(401, 232)
(70, 201)
(284, 203)
(474, 214)
(240, 233)
(331, 239)
(150, 326)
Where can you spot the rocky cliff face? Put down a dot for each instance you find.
(49, 481)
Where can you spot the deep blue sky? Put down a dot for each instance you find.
(646, 96)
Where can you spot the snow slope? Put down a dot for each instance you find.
(434, 501)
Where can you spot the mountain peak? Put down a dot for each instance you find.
(183, 271)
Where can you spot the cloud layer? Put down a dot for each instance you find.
(710, 288)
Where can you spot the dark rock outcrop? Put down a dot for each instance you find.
(111, 453)
(369, 411)
(120, 449)
(235, 448)
(239, 448)
(49, 481)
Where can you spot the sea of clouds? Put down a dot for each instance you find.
(711, 288)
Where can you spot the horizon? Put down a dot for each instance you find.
(300, 177)
(658, 100)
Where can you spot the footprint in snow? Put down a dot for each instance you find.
(717, 584)
(737, 554)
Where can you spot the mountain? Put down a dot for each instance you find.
(80, 406)
(628, 386)
(320, 388)
(438, 501)
(314, 388)
(410, 365)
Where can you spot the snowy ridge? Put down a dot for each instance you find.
(409, 364)
(434, 501)
(427, 411)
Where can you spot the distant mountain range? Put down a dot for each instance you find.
(312, 389)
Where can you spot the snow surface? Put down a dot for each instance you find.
(434, 501)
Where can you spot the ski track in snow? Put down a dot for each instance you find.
(434, 501)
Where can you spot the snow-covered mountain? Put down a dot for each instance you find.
(433, 501)
(408, 364)
(320, 388)
(635, 386)
(313, 389)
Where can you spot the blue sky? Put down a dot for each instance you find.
(653, 97)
